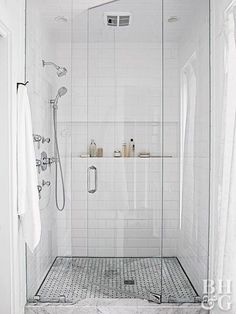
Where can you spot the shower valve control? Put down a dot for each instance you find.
(38, 164)
(45, 140)
(49, 161)
(39, 190)
(44, 161)
(47, 183)
(37, 138)
(52, 160)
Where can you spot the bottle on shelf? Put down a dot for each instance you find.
(99, 152)
(124, 150)
(131, 148)
(92, 149)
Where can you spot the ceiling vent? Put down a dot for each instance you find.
(117, 19)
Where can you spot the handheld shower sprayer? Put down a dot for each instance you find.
(61, 71)
(61, 92)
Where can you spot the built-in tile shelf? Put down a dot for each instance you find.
(118, 122)
(125, 158)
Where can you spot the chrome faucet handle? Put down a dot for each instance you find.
(39, 190)
(38, 164)
(46, 161)
(37, 138)
(47, 183)
(49, 161)
(52, 160)
(46, 140)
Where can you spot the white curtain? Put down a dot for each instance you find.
(225, 235)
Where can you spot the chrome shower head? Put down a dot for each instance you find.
(61, 92)
(61, 71)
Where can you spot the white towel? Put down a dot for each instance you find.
(28, 200)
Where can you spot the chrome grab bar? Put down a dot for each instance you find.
(94, 170)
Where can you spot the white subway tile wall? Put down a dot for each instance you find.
(123, 101)
(124, 216)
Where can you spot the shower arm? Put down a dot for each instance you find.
(51, 63)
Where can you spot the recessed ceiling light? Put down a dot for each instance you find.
(61, 19)
(173, 19)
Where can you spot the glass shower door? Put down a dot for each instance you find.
(186, 111)
(124, 177)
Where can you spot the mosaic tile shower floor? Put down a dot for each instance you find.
(72, 279)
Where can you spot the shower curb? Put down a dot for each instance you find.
(114, 306)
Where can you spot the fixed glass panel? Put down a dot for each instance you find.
(124, 119)
(48, 38)
(186, 111)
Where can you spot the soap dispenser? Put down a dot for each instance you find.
(131, 148)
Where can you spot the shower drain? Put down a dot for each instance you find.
(129, 282)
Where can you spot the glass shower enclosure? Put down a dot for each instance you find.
(134, 135)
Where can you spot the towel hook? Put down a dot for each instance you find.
(22, 84)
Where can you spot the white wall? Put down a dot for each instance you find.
(63, 57)
(12, 280)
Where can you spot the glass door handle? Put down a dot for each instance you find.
(92, 184)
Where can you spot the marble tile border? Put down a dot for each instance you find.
(113, 306)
